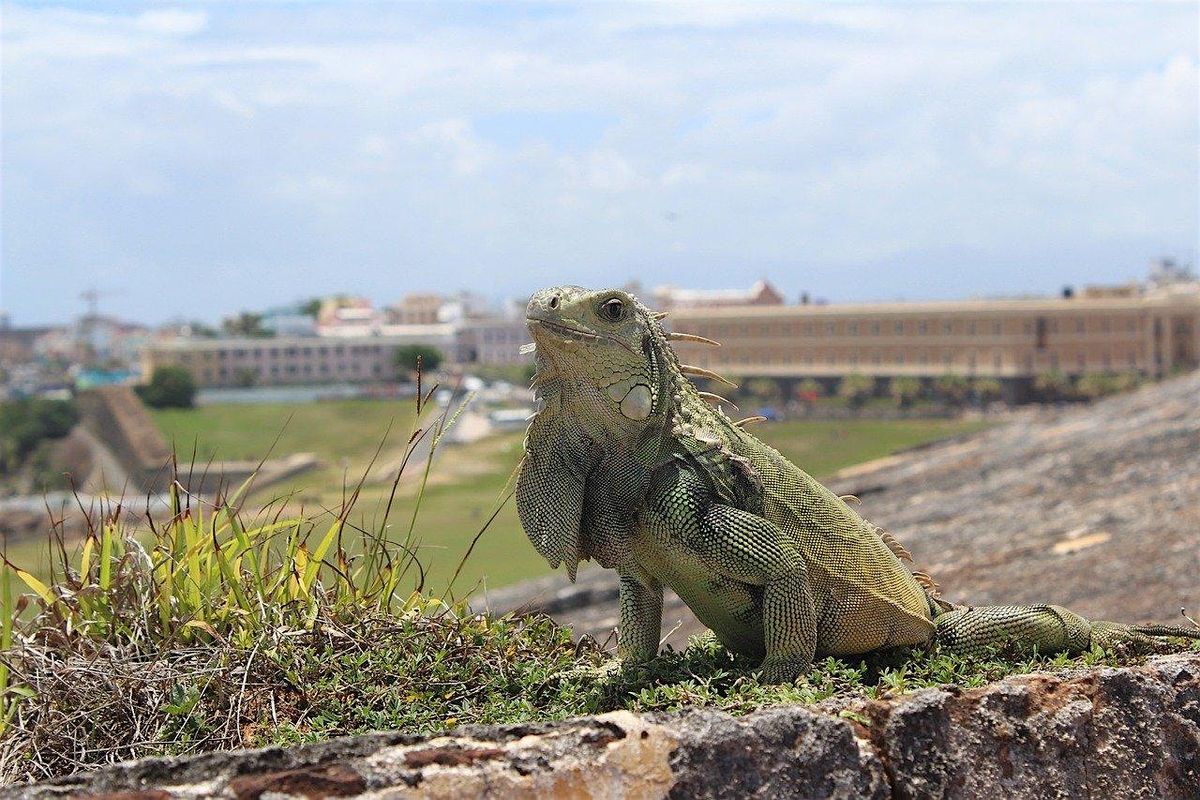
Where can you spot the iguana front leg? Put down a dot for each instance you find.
(641, 617)
(738, 546)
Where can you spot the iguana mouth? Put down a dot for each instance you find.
(577, 333)
(558, 327)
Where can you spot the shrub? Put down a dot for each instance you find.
(169, 387)
(951, 388)
(986, 389)
(904, 390)
(1052, 385)
(809, 390)
(1127, 381)
(856, 388)
(764, 390)
(245, 377)
(413, 357)
(25, 424)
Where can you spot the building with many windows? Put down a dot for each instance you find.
(1153, 331)
(292, 360)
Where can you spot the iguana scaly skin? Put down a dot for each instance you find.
(627, 463)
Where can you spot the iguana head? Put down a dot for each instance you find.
(608, 347)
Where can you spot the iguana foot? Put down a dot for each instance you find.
(782, 669)
(601, 673)
(1142, 638)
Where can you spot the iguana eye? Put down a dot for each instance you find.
(612, 309)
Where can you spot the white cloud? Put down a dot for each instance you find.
(728, 140)
(172, 22)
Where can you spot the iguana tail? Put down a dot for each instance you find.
(1046, 628)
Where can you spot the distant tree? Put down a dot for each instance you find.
(405, 357)
(24, 424)
(1052, 385)
(987, 389)
(245, 377)
(951, 388)
(764, 390)
(809, 391)
(200, 330)
(904, 390)
(169, 387)
(246, 323)
(856, 388)
(311, 308)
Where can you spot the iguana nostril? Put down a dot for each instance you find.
(553, 302)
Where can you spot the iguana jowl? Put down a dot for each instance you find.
(628, 464)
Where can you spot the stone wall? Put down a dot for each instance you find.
(117, 418)
(1114, 733)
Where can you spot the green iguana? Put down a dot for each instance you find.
(627, 463)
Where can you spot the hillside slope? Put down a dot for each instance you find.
(1096, 508)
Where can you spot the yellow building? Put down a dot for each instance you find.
(1152, 331)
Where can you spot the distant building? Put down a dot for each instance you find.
(417, 309)
(18, 345)
(493, 341)
(295, 360)
(1166, 272)
(288, 322)
(1152, 328)
(669, 298)
(348, 316)
(1152, 331)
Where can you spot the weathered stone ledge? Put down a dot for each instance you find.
(1115, 733)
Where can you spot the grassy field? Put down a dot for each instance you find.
(332, 430)
(822, 447)
(466, 483)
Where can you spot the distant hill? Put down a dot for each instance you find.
(1096, 508)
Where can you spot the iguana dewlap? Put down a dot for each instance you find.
(627, 463)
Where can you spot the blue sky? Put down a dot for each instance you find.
(196, 159)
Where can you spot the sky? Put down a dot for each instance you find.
(192, 160)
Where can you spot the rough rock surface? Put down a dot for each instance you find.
(1093, 507)
(1116, 733)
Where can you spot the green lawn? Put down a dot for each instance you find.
(822, 447)
(333, 430)
(452, 513)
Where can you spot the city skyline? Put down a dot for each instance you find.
(196, 161)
